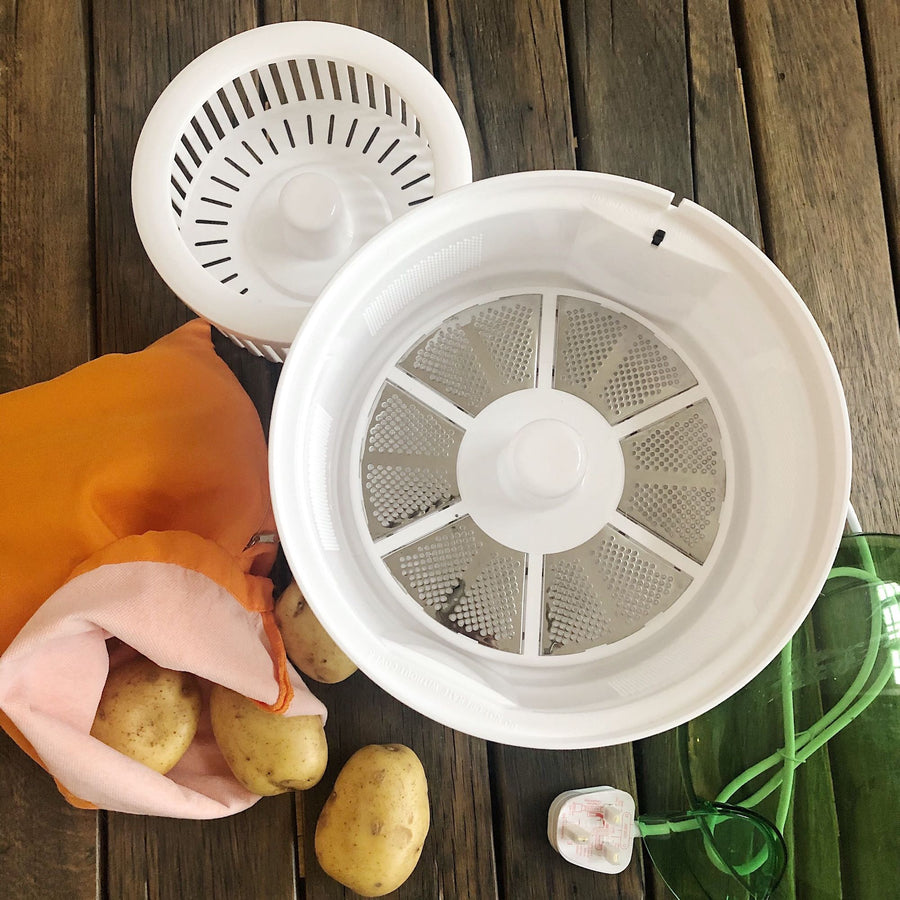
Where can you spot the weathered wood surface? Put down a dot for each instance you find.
(504, 66)
(880, 29)
(46, 290)
(47, 848)
(823, 216)
(782, 120)
(629, 79)
(721, 152)
(403, 22)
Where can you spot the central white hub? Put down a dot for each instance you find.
(546, 458)
(540, 470)
(316, 224)
(298, 223)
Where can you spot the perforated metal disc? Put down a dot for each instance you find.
(559, 463)
(603, 582)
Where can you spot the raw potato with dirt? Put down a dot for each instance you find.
(148, 713)
(267, 752)
(309, 646)
(371, 830)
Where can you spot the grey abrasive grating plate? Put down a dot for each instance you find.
(463, 562)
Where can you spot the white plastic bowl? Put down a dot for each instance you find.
(758, 358)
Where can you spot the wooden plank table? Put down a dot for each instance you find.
(782, 117)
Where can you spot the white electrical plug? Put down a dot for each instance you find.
(593, 828)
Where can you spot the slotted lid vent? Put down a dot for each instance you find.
(276, 155)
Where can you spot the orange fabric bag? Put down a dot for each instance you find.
(131, 491)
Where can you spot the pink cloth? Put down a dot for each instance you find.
(53, 673)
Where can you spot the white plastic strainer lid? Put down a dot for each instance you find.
(274, 156)
(559, 463)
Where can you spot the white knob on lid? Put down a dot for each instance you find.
(314, 216)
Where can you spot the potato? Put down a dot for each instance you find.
(267, 752)
(370, 832)
(148, 713)
(309, 646)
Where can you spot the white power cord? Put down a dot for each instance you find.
(853, 525)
